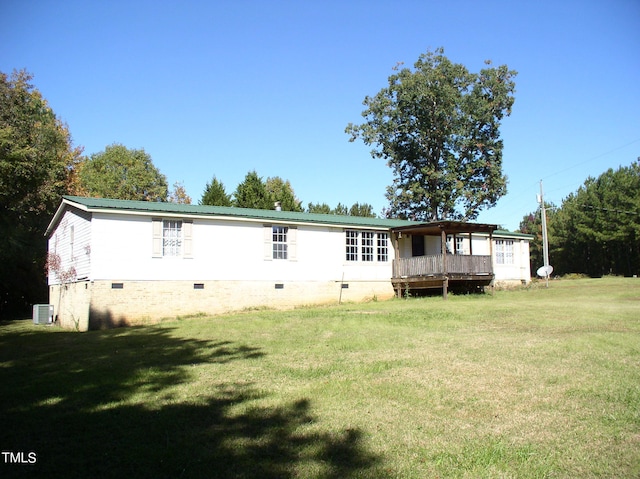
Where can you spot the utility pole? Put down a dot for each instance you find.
(545, 239)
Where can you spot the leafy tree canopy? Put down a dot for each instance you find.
(123, 173)
(364, 209)
(341, 209)
(437, 126)
(281, 191)
(252, 193)
(179, 194)
(37, 159)
(215, 194)
(36, 152)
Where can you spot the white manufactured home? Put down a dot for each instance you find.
(116, 262)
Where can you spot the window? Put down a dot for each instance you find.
(504, 251)
(280, 242)
(459, 244)
(366, 246)
(383, 247)
(171, 238)
(352, 245)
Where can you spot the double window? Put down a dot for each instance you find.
(504, 251)
(459, 247)
(366, 246)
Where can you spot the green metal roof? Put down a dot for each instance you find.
(92, 204)
(265, 215)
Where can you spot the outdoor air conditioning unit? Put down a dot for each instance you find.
(42, 313)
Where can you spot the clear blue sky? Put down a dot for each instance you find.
(224, 87)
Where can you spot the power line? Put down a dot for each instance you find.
(609, 210)
(593, 158)
(579, 164)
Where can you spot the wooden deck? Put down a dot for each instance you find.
(441, 272)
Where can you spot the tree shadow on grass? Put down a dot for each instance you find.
(70, 398)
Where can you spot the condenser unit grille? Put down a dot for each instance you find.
(42, 313)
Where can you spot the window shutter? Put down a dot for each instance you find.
(292, 243)
(156, 249)
(268, 242)
(187, 238)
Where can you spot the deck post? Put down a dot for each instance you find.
(493, 280)
(443, 247)
(445, 281)
(396, 254)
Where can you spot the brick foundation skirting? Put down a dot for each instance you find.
(104, 304)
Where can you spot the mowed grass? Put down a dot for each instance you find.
(532, 383)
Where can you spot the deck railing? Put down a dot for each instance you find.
(439, 264)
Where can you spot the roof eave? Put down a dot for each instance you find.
(60, 212)
(437, 227)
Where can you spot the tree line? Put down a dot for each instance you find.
(254, 192)
(596, 230)
(129, 174)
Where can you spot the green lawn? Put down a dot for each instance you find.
(531, 383)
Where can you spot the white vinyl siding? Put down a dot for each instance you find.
(71, 242)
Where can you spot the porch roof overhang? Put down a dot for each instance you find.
(436, 228)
